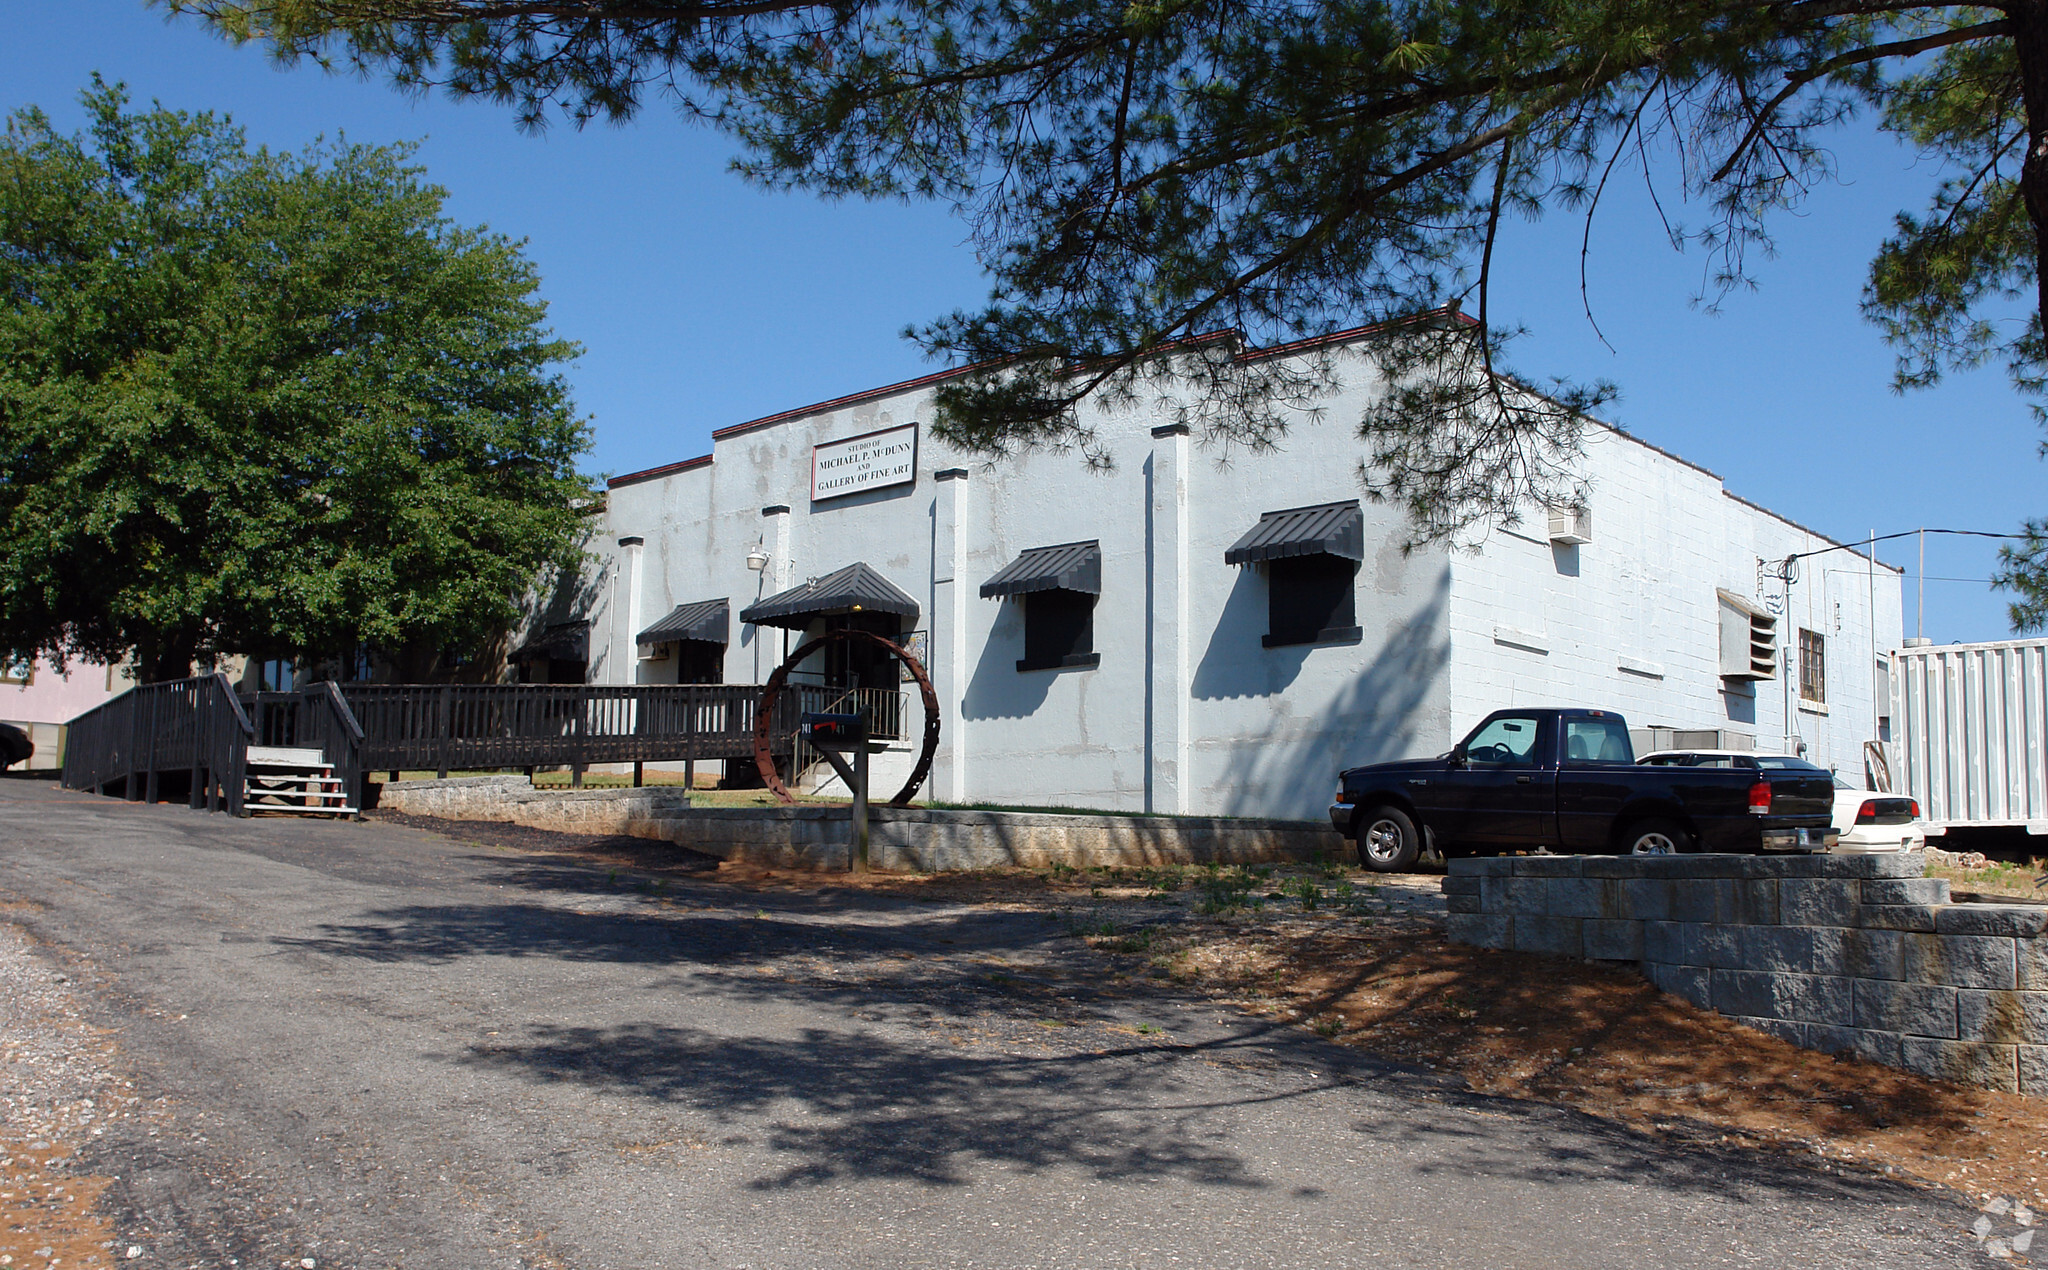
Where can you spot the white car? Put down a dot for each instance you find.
(1866, 821)
(1871, 821)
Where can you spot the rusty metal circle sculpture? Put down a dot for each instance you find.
(764, 760)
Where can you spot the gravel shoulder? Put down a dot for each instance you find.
(374, 1045)
(59, 1093)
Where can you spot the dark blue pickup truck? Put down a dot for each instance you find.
(1567, 781)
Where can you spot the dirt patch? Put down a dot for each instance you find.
(1599, 1039)
(1606, 1042)
(1361, 959)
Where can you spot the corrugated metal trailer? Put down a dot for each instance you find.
(1971, 722)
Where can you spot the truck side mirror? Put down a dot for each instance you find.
(1458, 755)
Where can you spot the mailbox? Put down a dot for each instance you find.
(835, 731)
(833, 735)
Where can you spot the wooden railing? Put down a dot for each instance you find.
(199, 725)
(449, 727)
(190, 728)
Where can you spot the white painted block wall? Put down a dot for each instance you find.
(1187, 712)
(1630, 620)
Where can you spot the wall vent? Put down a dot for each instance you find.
(1749, 639)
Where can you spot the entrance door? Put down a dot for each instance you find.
(856, 663)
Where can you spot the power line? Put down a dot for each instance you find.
(1906, 533)
(1787, 570)
(1932, 577)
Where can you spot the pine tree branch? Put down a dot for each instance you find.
(1855, 57)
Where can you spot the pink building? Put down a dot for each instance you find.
(41, 700)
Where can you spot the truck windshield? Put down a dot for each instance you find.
(1597, 741)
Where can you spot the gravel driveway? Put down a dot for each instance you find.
(368, 1045)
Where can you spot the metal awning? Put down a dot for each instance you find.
(564, 641)
(1071, 566)
(855, 589)
(706, 620)
(1327, 529)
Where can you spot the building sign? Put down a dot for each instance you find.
(876, 460)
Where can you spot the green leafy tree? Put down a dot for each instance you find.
(1140, 174)
(263, 403)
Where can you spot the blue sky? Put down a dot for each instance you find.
(702, 302)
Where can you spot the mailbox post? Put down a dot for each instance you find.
(835, 735)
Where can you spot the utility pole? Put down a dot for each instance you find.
(1920, 622)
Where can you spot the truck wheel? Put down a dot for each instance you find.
(1387, 840)
(1656, 837)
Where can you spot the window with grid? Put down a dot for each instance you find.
(1813, 667)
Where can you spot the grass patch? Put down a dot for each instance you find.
(2006, 878)
(1062, 809)
(1228, 891)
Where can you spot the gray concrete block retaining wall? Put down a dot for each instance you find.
(513, 799)
(915, 839)
(1833, 952)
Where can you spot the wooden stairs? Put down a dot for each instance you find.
(293, 781)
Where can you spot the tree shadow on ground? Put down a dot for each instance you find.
(439, 933)
(971, 983)
(845, 1105)
(852, 1105)
(1016, 1065)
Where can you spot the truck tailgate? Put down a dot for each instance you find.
(1798, 794)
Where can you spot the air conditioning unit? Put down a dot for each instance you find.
(1651, 739)
(1571, 526)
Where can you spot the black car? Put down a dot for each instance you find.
(15, 747)
(1567, 781)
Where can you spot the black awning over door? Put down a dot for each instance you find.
(858, 588)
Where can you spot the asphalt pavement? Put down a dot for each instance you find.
(379, 1046)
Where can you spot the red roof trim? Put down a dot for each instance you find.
(666, 469)
(1356, 332)
(836, 403)
(921, 381)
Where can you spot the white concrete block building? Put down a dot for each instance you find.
(1221, 637)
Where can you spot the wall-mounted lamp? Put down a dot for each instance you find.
(757, 559)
